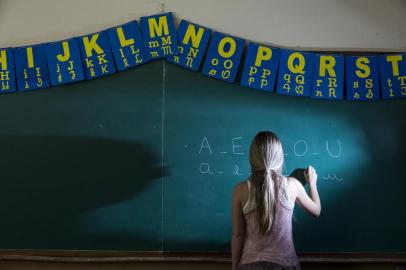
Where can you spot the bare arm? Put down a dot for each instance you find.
(310, 204)
(238, 227)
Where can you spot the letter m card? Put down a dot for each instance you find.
(159, 35)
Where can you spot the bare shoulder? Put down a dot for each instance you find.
(292, 181)
(292, 187)
(241, 187)
(241, 191)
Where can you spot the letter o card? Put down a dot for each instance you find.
(223, 57)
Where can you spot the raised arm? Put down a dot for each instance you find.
(310, 204)
(238, 226)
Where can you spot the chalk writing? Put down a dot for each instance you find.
(235, 147)
(332, 177)
(205, 168)
(301, 147)
(236, 170)
(205, 144)
(339, 150)
(234, 153)
(300, 142)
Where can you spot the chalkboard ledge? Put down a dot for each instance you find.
(157, 256)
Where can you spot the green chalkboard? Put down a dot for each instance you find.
(81, 164)
(146, 159)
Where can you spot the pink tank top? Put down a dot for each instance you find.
(277, 246)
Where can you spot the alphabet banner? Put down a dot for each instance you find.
(127, 45)
(192, 41)
(328, 76)
(295, 73)
(366, 77)
(7, 73)
(223, 57)
(159, 35)
(31, 68)
(393, 75)
(97, 60)
(261, 67)
(64, 61)
(362, 77)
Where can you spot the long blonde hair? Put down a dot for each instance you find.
(266, 159)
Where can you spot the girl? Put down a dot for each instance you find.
(262, 209)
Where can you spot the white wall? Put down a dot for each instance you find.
(364, 25)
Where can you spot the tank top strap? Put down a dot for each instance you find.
(284, 199)
(249, 193)
(249, 204)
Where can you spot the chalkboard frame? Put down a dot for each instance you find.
(72, 256)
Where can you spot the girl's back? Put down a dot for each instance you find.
(262, 209)
(276, 246)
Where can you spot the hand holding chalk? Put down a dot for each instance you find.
(310, 175)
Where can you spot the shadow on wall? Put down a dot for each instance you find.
(46, 180)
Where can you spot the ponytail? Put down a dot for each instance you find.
(266, 158)
(266, 190)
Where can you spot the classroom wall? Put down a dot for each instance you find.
(374, 25)
(364, 25)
